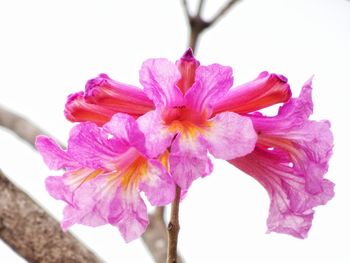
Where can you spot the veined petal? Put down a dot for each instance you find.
(188, 160)
(159, 78)
(157, 184)
(229, 136)
(91, 204)
(291, 208)
(54, 156)
(211, 84)
(104, 97)
(187, 66)
(266, 90)
(129, 215)
(158, 136)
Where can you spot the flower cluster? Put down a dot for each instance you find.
(130, 140)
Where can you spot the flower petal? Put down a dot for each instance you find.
(266, 90)
(104, 97)
(54, 156)
(158, 136)
(291, 208)
(157, 184)
(91, 203)
(188, 160)
(129, 214)
(187, 66)
(159, 78)
(211, 84)
(229, 136)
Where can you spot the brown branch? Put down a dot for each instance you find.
(33, 233)
(23, 128)
(174, 228)
(197, 24)
(222, 12)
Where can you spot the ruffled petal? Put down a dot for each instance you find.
(158, 136)
(266, 90)
(188, 160)
(54, 156)
(292, 202)
(229, 136)
(129, 214)
(211, 84)
(104, 97)
(91, 203)
(157, 184)
(187, 66)
(159, 78)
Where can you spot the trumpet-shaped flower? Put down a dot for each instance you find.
(290, 160)
(106, 169)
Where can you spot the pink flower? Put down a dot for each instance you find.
(290, 160)
(106, 169)
(192, 110)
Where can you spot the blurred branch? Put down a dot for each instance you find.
(197, 24)
(23, 128)
(33, 233)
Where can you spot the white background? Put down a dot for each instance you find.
(48, 49)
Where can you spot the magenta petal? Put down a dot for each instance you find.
(291, 208)
(58, 189)
(211, 84)
(125, 130)
(157, 184)
(54, 156)
(188, 161)
(104, 97)
(268, 89)
(158, 137)
(230, 135)
(129, 214)
(91, 203)
(159, 78)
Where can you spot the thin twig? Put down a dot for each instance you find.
(222, 11)
(200, 7)
(187, 11)
(174, 228)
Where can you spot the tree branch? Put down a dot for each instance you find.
(222, 11)
(197, 24)
(33, 233)
(23, 128)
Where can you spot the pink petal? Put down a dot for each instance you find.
(125, 129)
(187, 66)
(291, 208)
(54, 156)
(211, 84)
(159, 78)
(91, 203)
(266, 90)
(229, 136)
(129, 214)
(157, 184)
(158, 137)
(104, 97)
(188, 160)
